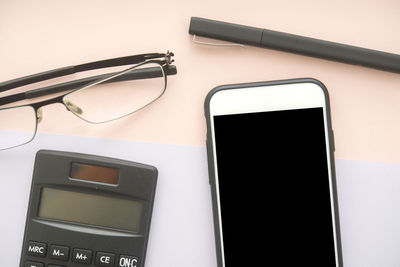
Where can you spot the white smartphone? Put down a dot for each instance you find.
(271, 167)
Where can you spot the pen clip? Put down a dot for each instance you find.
(214, 44)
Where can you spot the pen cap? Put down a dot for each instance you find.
(225, 31)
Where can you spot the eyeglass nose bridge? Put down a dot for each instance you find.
(70, 106)
(38, 107)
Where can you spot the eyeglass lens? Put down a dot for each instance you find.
(126, 94)
(17, 126)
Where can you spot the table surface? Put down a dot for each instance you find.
(365, 102)
(39, 36)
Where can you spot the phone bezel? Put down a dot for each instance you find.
(268, 96)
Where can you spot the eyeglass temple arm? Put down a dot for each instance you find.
(145, 73)
(38, 77)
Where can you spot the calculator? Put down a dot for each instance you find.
(86, 210)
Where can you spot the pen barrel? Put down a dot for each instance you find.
(225, 31)
(330, 50)
(295, 44)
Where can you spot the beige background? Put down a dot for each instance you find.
(42, 35)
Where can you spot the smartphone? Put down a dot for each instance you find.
(271, 169)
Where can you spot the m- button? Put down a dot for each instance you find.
(59, 252)
(36, 249)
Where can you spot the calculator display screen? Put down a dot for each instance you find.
(91, 209)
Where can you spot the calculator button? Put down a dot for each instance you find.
(59, 252)
(127, 261)
(33, 264)
(37, 249)
(105, 259)
(82, 256)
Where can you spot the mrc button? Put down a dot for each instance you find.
(36, 249)
(127, 261)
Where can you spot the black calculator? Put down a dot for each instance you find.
(87, 210)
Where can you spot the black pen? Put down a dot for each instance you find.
(295, 44)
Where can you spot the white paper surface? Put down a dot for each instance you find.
(182, 229)
(369, 200)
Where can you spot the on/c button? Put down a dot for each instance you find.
(127, 261)
(105, 259)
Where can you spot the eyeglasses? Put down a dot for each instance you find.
(96, 99)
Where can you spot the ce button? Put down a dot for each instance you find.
(105, 259)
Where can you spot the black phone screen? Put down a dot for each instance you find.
(274, 189)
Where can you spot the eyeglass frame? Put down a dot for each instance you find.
(83, 83)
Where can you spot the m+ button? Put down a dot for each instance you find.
(82, 256)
